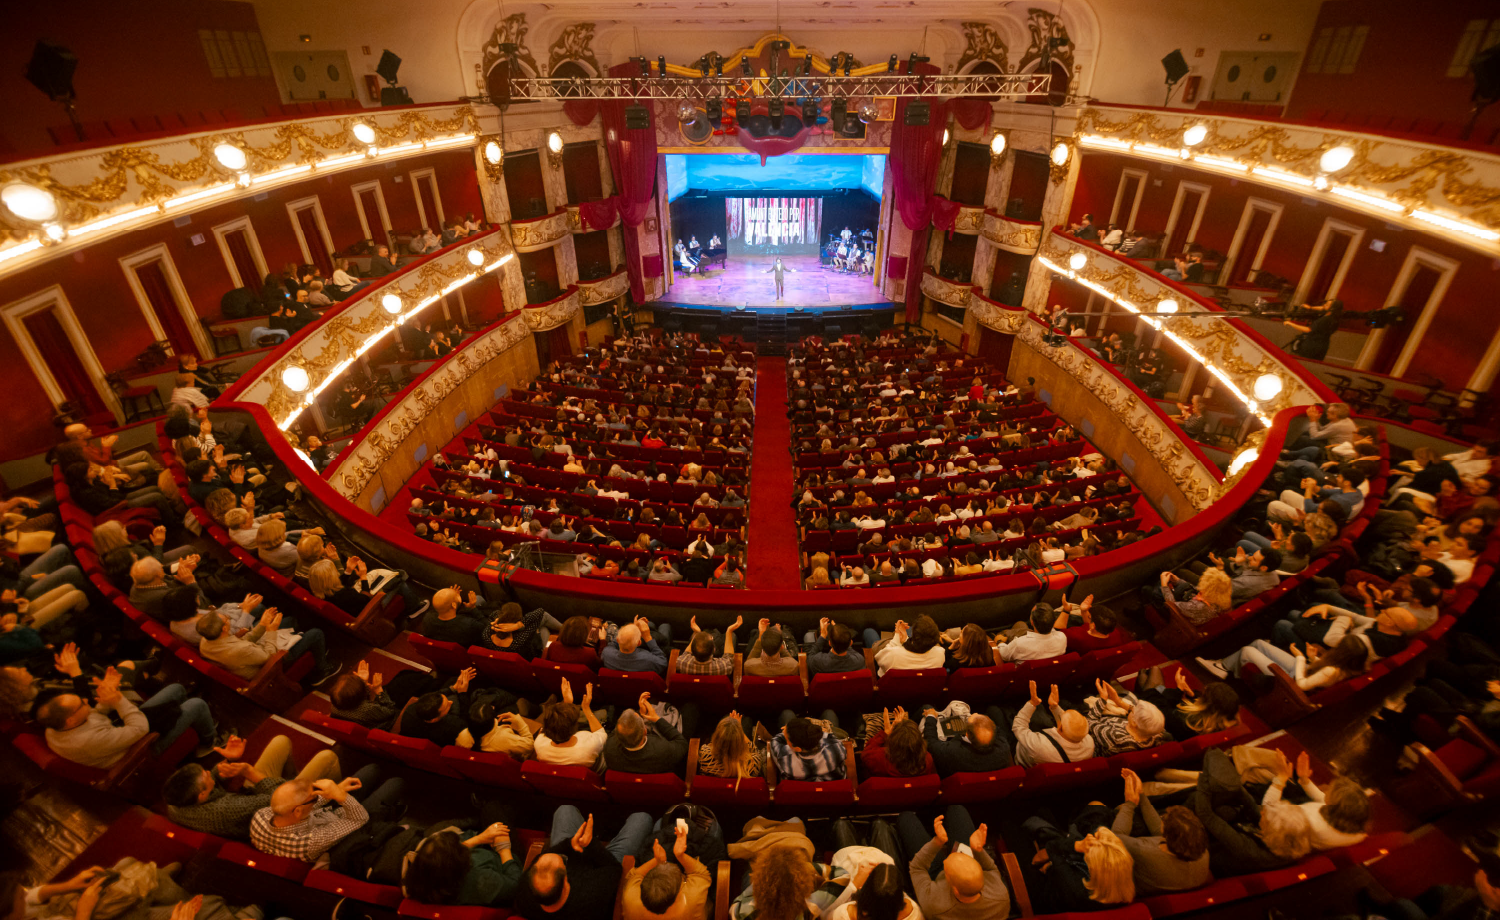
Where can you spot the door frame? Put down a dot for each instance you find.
(292, 207)
(17, 310)
(256, 255)
(1247, 216)
(428, 174)
(359, 209)
(158, 252)
(1416, 257)
(1142, 176)
(1183, 187)
(1331, 226)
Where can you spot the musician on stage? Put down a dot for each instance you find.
(779, 271)
(841, 260)
(869, 266)
(688, 263)
(845, 234)
(715, 243)
(694, 249)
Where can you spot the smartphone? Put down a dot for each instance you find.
(682, 824)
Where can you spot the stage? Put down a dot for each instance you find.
(744, 282)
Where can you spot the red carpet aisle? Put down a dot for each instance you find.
(772, 535)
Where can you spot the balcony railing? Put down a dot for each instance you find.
(539, 232)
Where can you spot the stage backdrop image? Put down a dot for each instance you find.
(780, 226)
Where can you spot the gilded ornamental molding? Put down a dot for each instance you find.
(540, 232)
(575, 222)
(382, 440)
(555, 312)
(997, 316)
(970, 221)
(1019, 236)
(331, 345)
(105, 191)
(944, 291)
(604, 289)
(1415, 184)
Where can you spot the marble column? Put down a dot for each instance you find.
(1055, 206)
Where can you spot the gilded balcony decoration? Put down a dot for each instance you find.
(331, 346)
(1421, 186)
(378, 442)
(104, 191)
(1229, 350)
(544, 316)
(944, 291)
(997, 316)
(970, 221)
(1019, 236)
(575, 221)
(604, 289)
(539, 232)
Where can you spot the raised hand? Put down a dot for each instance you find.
(567, 690)
(658, 852)
(1283, 766)
(939, 831)
(1053, 697)
(362, 671)
(233, 749)
(1304, 767)
(66, 661)
(1035, 700)
(584, 836)
(693, 622)
(158, 536)
(461, 685)
(979, 837)
(1132, 786)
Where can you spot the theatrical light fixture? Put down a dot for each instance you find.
(1320, 183)
(890, 66)
(475, 257)
(392, 303)
(745, 66)
(1336, 158)
(364, 133)
(1194, 136)
(868, 111)
(661, 64)
(230, 157)
(715, 110)
(645, 67)
(918, 113)
(997, 145)
(1243, 459)
(742, 111)
(809, 112)
(1267, 387)
(295, 377)
(1077, 261)
(29, 202)
(685, 111)
(777, 108)
(494, 153)
(807, 65)
(1060, 154)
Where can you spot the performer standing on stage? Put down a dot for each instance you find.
(845, 234)
(779, 271)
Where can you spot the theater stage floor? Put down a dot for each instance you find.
(744, 282)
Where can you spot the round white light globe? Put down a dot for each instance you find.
(391, 303)
(29, 202)
(997, 145)
(1194, 136)
(1336, 158)
(55, 232)
(1267, 386)
(1060, 154)
(230, 157)
(868, 111)
(364, 133)
(476, 258)
(685, 111)
(295, 378)
(945, 137)
(1167, 306)
(555, 142)
(1077, 261)
(493, 153)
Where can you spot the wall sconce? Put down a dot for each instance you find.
(492, 155)
(555, 149)
(1059, 158)
(997, 150)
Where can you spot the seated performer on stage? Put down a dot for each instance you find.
(779, 271)
(865, 234)
(715, 243)
(688, 263)
(841, 257)
(869, 263)
(695, 250)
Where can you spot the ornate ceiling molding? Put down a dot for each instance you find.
(574, 43)
(328, 348)
(1018, 236)
(982, 42)
(510, 30)
(1397, 176)
(380, 441)
(1044, 27)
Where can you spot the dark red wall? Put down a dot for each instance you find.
(133, 59)
(96, 287)
(1402, 69)
(1460, 331)
(523, 182)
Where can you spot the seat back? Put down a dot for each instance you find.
(293, 870)
(345, 886)
(978, 683)
(899, 793)
(491, 769)
(419, 752)
(849, 691)
(350, 733)
(507, 669)
(445, 656)
(752, 793)
(625, 687)
(778, 693)
(712, 692)
(797, 793)
(1052, 777)
(549, 676)
(911, 686)
(653, 792)
(964, 788)
(564, 781)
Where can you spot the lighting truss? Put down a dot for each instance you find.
(701, 89)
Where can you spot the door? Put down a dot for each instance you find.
(369, 206)
(1252, 239)
(1128, 199)
(310, 232)
(429, 203)
(61, 360)
(1255, 234)
(242, 260)
(1248, 76)
(1413, 301)
(1182, 226)
(313, 75)
(157, 291)
(1328, 268)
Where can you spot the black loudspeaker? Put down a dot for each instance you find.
(394, 95)
(918, 113)
(51, 70)
(1176, 65)
(637, 117)
(388, 66)
(1485, 66)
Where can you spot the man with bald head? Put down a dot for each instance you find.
(953, 874)
(633, 649)
(449, 620)
(1067, 740)
(306, 818)
(982, 747)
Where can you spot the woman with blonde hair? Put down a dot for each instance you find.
(1105, 876)
(311, 548)
(819, 576)
(1214, 596)
(730, 753)
(273, 550)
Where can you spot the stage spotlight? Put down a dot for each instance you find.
(890, 66)
(718, 65)
(745, 67)
(645, 67)
(777, 109)
(848, 63)
(742, 111)
(703, 65)
(807, 65)
(686, 112)
(715, 110)
(809, 111)
(661, 64)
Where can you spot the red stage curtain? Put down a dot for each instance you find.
(916, 152)
(309, 224)
(56, 349)
(944, 214)
(159, 293)
(597, 215)
(971, 113)
(632, 158)
(581, 111)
